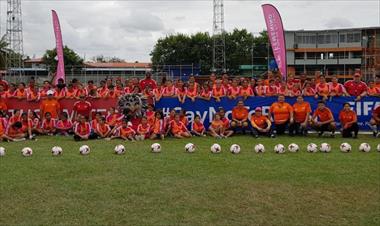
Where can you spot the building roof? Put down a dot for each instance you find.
(117, 65)
(335, 29)
(35, 60)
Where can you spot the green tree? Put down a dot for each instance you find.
(71, 58)
(3, 52)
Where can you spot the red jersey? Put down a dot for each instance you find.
(246, 91)
(143, 129)
(355, 89)
(83, 129)
(271, 90)
(148, 82)
(103, 92)
(218, 92)
(168, 91)
(103, 128)
(260, 90)
(64, 124)
(83, 108)
(114, 119)
(48, 124)
(308, 92)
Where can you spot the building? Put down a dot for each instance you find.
(334, 52)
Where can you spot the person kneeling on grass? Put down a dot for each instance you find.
(239, 117)
(124, 131)
(348, 119)
(143, 129)
(47, 125)
(82, 130)
(158, 130)
(64, 125)
(102, 130)
(178, 128)
(197, 128)
(323, 119)
(261, 125)
(217, 129)
(14, 133)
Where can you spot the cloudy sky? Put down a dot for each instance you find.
(129, 29)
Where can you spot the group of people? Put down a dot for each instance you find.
(85, 124)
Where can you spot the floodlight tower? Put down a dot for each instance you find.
(219, 56)
(14, 35)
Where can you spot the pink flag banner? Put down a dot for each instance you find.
(60, 74)
(276, 36)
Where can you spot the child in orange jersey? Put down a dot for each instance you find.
(64, 125)
(124, 131)
(217, 128)
(102, 129)
(348, 119)
(178, 129)
(205, 93)
(113, 117)
(197, 128)
(143, 129)
(158, 127)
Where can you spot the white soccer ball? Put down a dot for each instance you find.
(27, 152)
(235, 149)
(325, 147)
(365, 147)
(190, 148)
(378, 147)
(293, 147)
(119, 149)
(56, 150)
(345, 147)
(84, 150)
(2, 151)
(216, 148)
(279, 149)
(259, 148)
(312, 148)
(156, 148)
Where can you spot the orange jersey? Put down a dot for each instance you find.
(234, 91)
(70, 93)
(300, 111)
(218, 92)
(52, 106)
(158, 126)
(240, 113)
(246, 91)
(197, 127)
(178, 127)
(217, 124)
(3, 126)
(103, 92)
(126, 131)
(260, 121)
(260, 90)
(308, 92)
(114, 119)
(347, 116)
(80, 92)
(3, 105)
(103, 128)
(168, 91)
(373, 91)
(281, 112)
(192, 92)
(271, 91)
(323, 115)
(48, 124)
(336, 88)
(143, 129)
(20, 93)
(322, 89)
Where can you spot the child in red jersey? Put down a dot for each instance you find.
(82, 129)
(102, 130)
(64, 125)
(48, 125)
(113, 118)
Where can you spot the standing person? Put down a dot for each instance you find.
(234, 90)
(82, 107)
(148, 81)
(308, 91)
(218, 91)
(246, 90)
(260, 88)
(271, 89)
(261, 125)
(337, 89)
(281, 114)
(3, 83)
(322, 89)
(373, 91)
(169, 89)
(356, 87)
(302, 111)
(192, 92)
(348, 120)
(205, 93)
(323, 119)
(103, 90)
(50, 105)
(21, 92)
(375, 120)
(239, 117)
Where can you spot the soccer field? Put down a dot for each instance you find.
(178, 188)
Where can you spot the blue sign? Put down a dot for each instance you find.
(206, 109)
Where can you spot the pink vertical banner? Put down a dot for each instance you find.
(59, 46)
(276, 36)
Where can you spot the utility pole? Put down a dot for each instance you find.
(219, 56)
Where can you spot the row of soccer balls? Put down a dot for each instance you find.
(215, 148)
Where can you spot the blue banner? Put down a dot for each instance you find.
(206, 109)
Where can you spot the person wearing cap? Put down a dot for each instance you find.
(82, 107)
(51, 105)
(302, 112)
(147, 81)
(261, 125)
(356, 87)
(239, 117)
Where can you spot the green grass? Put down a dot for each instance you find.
(177, 188)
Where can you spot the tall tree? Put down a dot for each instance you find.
(71, 58)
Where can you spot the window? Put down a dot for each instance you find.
(311, 56)
(321, 39)
(342, 38)
(356, 54)
(331, 56)
(353, 37)
(299, 56)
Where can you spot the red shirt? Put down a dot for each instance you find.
(4, 84)
(64, 124)
(83, 108)
(83, 129)
(355, 89)
(48, 125)
(145, 82)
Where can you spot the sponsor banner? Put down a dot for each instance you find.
(98, 105)
(206, 109)
(59, 47)
(276, 36)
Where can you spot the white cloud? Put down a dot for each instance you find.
(129, 29)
